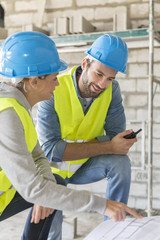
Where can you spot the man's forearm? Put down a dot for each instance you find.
(76, 151)
(118, 145)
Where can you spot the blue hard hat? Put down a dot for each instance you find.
(29, 54)
(111, 51)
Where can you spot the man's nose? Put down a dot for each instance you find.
(103, 84)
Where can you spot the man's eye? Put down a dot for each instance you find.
(99, 74)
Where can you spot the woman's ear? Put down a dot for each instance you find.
(84, 63)
(33, 82)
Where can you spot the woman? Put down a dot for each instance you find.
(31, 62)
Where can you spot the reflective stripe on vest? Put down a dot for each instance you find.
(75, 126)
(7, 193)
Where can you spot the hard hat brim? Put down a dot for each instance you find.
(63, 66)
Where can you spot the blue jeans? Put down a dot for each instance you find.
(115, 168)
(34, 231)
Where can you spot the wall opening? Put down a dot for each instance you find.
(1, 16)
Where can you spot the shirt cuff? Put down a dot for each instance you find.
(99, 204)
(103, 138)
(58, 151)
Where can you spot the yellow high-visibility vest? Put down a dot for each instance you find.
(7, 193)
(75, 126)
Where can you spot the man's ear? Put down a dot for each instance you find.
(84, 63)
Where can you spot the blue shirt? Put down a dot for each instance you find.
(48, 126)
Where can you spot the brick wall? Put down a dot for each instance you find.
(99, 13)
(134, 85)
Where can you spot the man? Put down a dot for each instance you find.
(82, 128)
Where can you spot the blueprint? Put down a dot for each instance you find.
(147, 228)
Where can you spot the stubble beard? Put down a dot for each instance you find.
(87, 87)
(87, 91)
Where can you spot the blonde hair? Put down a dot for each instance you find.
(20, 83)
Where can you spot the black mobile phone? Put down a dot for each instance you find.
(132, 134)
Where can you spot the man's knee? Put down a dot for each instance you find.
(123, 163)
(120, 165)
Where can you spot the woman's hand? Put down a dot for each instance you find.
(116, 211)
(39, 213)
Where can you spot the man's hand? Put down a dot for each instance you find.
(120, 145)
(116, 211)
(39, 213)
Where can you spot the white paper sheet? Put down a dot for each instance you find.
(133, 229)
